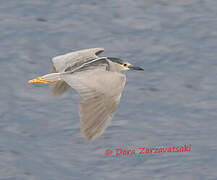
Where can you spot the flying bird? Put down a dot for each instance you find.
(98, 80)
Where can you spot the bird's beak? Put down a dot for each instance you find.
(38, 80)
(135, 68)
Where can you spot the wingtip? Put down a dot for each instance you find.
(98, 50)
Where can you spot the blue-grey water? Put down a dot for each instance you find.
(174, 101)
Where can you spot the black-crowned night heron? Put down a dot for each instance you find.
(98, 81)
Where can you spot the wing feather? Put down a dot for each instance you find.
(61, 63)
(58, 87)
(64, 61)
(101, 91)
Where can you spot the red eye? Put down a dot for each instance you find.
(125, 64)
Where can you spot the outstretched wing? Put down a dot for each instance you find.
(61, 63)
(101, 91)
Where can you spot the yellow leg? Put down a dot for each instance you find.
(38, 80)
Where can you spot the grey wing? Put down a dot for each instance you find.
(101, 91)
(64, 61)
(58, 87)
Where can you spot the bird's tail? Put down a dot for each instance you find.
(48, 78)
(52, 77)
(57, 85)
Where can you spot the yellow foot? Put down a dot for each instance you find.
(38, 80)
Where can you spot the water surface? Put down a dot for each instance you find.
(174, 101)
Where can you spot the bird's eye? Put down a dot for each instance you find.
(125, 64)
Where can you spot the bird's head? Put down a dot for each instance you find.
(124, 65)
